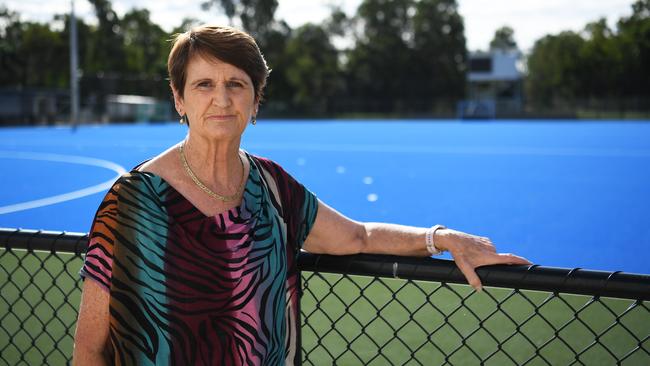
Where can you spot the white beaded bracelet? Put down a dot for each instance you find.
(428, 237)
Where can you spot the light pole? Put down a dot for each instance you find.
(74, 80)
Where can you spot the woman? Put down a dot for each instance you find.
(192, 254)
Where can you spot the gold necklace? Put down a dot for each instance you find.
(204, 187)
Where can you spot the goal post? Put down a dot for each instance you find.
(476, 109)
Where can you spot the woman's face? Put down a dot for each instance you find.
(219, 98)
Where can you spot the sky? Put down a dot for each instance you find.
(531, 19)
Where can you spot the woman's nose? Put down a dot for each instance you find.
(221, 98)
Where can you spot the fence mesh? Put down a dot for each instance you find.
(359, 320)
(38, 307)
(355, 320)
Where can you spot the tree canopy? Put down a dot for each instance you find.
(401, 56)
(595, 63)
(504, 39)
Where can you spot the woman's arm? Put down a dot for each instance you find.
(336, 234)
(91, 336)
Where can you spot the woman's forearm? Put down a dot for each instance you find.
(381, 238)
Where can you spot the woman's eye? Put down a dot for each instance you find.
(204, 84)
(234, 84)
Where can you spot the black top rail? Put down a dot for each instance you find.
(50, 241)
(534, 277)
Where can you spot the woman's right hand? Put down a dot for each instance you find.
(471, 251)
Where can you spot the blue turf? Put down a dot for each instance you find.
(568, 194)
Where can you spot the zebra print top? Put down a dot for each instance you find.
(187, 289)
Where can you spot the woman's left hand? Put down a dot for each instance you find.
(471, 251)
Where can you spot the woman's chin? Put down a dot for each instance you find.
(223, 130)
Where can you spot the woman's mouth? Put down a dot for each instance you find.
(220, 117)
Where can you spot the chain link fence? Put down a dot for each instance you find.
(402, 311)
(370, 310)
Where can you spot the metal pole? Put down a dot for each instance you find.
(74, 80)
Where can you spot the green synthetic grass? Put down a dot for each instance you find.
(352, 320)
(38, 307)
(360, 320)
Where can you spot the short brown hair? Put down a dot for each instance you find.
(227, 44)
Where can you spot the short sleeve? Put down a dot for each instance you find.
(299, 204)
(304, 207)
(98, 262)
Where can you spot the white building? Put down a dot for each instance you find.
(494, 85)
(126, 108)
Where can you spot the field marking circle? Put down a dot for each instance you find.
(72, 159)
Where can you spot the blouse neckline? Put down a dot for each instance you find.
(251, 198)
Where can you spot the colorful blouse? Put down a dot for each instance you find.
(188, 289)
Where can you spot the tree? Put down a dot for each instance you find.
(554, 69)
(633, 42)
(145, 44)
(504, 39)
(185, 25)
(84, 42)
(256, 16)
(10, 42)
(33, 55)
(598, 63)
(315, 74)
(378, 64)
(278, 90)
(338, 22)
(410, 54)
(107, 45)
(599, 53)
(46, 60)
(440, 48)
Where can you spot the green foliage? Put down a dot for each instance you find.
(597, 63)
(633, 40)
(33, 54)
(256, 16)
(116, 56)
(278, 91)
(107, 41)
(504, 39)
(10, 43)
(43, 50)
(375, 62)
(186, 24)
(401, 56)
(315, 73)
(553, 69)
(338, 22)
(440, 50)
(84, 37)
(409, 52)
(145, 44)
(598, 53)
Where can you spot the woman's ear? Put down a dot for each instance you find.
(178, 102)
(256, 106)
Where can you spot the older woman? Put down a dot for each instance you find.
(192, 255)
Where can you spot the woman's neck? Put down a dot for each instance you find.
(215, 163)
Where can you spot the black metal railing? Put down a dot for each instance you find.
(370, 310)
